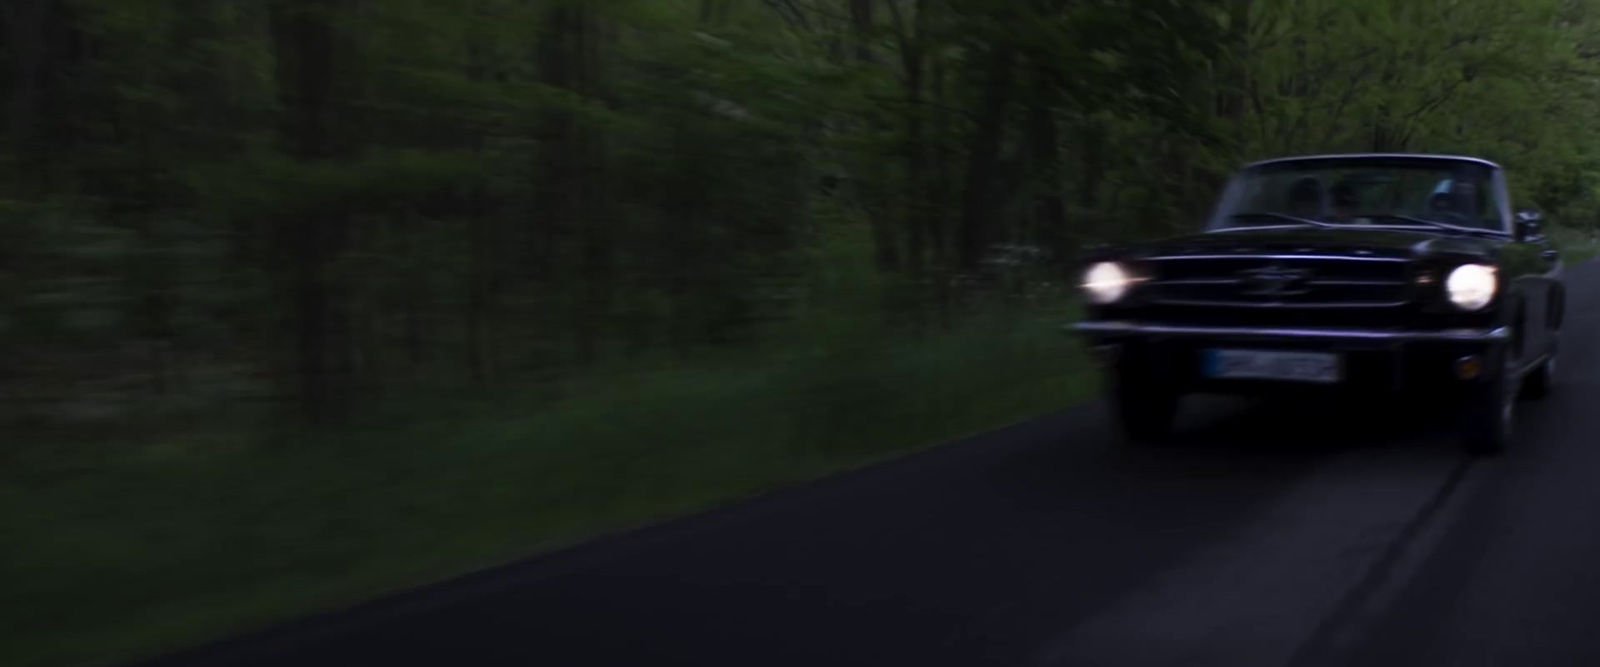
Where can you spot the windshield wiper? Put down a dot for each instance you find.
(1285, 217)
(1432, 223)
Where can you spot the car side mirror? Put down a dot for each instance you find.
(1529, 224)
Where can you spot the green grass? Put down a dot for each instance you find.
(1576, 245)
(123, 549)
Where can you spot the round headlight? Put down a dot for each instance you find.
(1471, 286)
(1105, 282)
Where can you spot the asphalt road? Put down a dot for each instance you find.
(1268, 535)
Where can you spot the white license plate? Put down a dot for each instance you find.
(1318, 367)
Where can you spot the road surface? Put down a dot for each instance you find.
(1269, 535)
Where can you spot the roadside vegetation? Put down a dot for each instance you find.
(304, 301)
(1577, 245)
(179, 534)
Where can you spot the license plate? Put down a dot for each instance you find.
(1318, 367)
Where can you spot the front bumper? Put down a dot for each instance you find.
(1374, 359)
(1122, 329)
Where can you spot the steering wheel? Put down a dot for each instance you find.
(1445, 207)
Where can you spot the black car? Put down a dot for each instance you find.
(1370, 273)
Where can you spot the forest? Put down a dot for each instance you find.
(275, 272)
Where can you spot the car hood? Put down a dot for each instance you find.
(1355, 242)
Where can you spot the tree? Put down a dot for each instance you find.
(366, 199)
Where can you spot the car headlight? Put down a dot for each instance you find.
(1471, 286)
(1106, 282)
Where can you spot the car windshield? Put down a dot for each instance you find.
(1436, 193)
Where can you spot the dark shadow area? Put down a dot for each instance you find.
(1289, 426)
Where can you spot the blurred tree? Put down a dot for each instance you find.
(326, 199)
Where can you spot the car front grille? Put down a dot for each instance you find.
(1299, 282)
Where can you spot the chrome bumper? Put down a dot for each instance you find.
(1118, 328)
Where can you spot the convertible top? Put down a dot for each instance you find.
(1420, 157)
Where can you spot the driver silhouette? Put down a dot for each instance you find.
(1305, 198)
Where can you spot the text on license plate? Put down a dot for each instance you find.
(1320, 367)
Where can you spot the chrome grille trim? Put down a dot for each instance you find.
(1327, 283)
(1334, 258)
(1334, 282)
(1309, 305)
(1359, 283)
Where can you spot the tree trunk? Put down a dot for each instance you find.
(978, 206)
(939, 187)
(43, 38)
(886, 255)
(861, 25)
(1092, 149)
(27, 31)
(1050, 213)
(413, 332)
(555, 180)
(713, 12)
(1232, 69)
(1383, 134)
(570, 49)
(915, 155)
(596, 236)
(309, 58)
(487, 245)
(885, 245)
(480, 355)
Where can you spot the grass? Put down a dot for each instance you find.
(117, 550)
(1576, 245)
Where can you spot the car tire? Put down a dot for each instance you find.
(1144, 409)
(1488, 414)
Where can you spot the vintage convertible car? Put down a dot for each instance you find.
(1371, 273)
